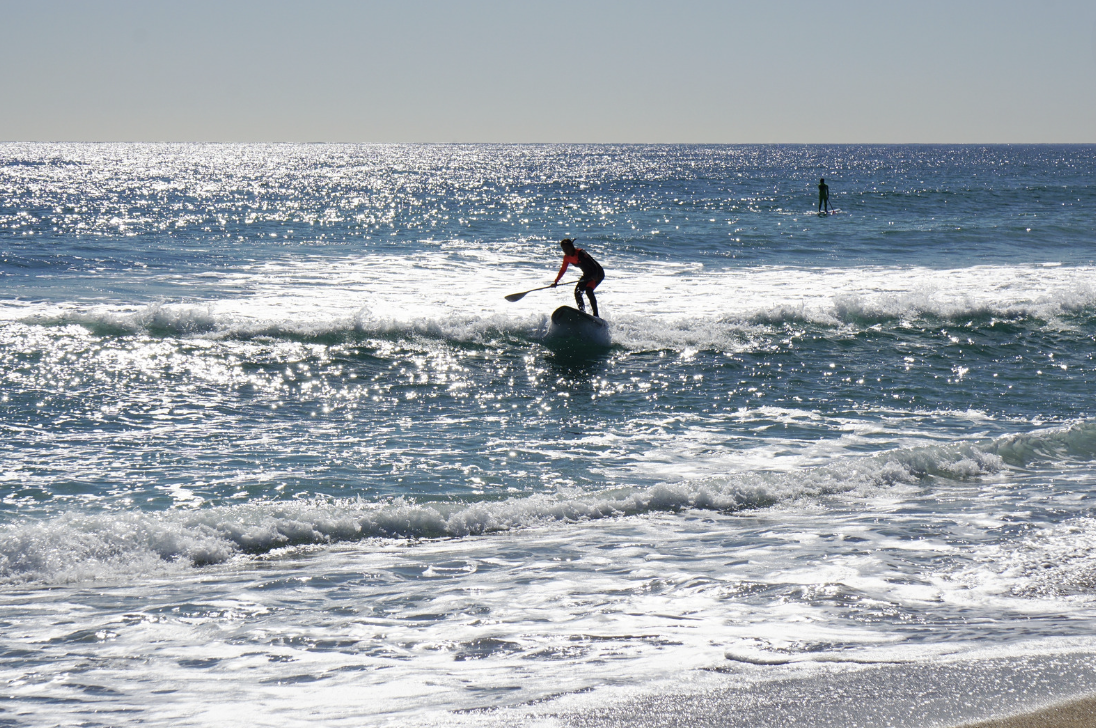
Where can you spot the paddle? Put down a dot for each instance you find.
(518, 296)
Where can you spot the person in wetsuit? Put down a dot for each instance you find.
(823, 195)
(592, 273)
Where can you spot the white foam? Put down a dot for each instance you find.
(76, 546)
(433, 296)
(1048, 563)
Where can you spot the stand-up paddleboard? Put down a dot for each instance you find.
(573, 326)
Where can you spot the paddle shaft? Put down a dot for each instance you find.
(518, 296)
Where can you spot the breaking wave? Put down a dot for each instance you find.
(632, 331)
(165, 320)
(77, 546)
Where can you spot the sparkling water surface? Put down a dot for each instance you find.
(274, 440)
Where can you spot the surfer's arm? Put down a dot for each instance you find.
(563, 268)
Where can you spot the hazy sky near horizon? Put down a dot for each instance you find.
(691, 71)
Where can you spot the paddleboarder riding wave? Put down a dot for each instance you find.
(592, 273)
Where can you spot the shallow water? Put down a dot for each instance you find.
(271, 433)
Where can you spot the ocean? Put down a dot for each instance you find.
(275, 448)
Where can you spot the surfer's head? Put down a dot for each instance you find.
(568, 245)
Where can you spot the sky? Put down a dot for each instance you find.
(635, 71)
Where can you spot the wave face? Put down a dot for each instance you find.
(268, 422)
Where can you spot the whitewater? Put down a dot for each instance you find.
(275, 448)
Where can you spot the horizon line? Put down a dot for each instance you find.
(535, 143)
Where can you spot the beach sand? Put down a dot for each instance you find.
(1074, 714)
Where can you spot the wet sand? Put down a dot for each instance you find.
(1074, 714)
(1023, 691)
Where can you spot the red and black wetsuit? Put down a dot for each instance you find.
(592, 274)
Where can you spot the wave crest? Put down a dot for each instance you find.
(632, 330)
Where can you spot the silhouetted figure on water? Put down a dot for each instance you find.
(823, 195)
(592, 274)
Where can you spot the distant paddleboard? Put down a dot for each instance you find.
(573, 326)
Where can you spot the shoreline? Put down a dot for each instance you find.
(1056, 690)
(1076, 713)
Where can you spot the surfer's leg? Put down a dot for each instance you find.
(590, 286)
(578, 296)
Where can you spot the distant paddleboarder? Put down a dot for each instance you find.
(823, 195)
(592, 273)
